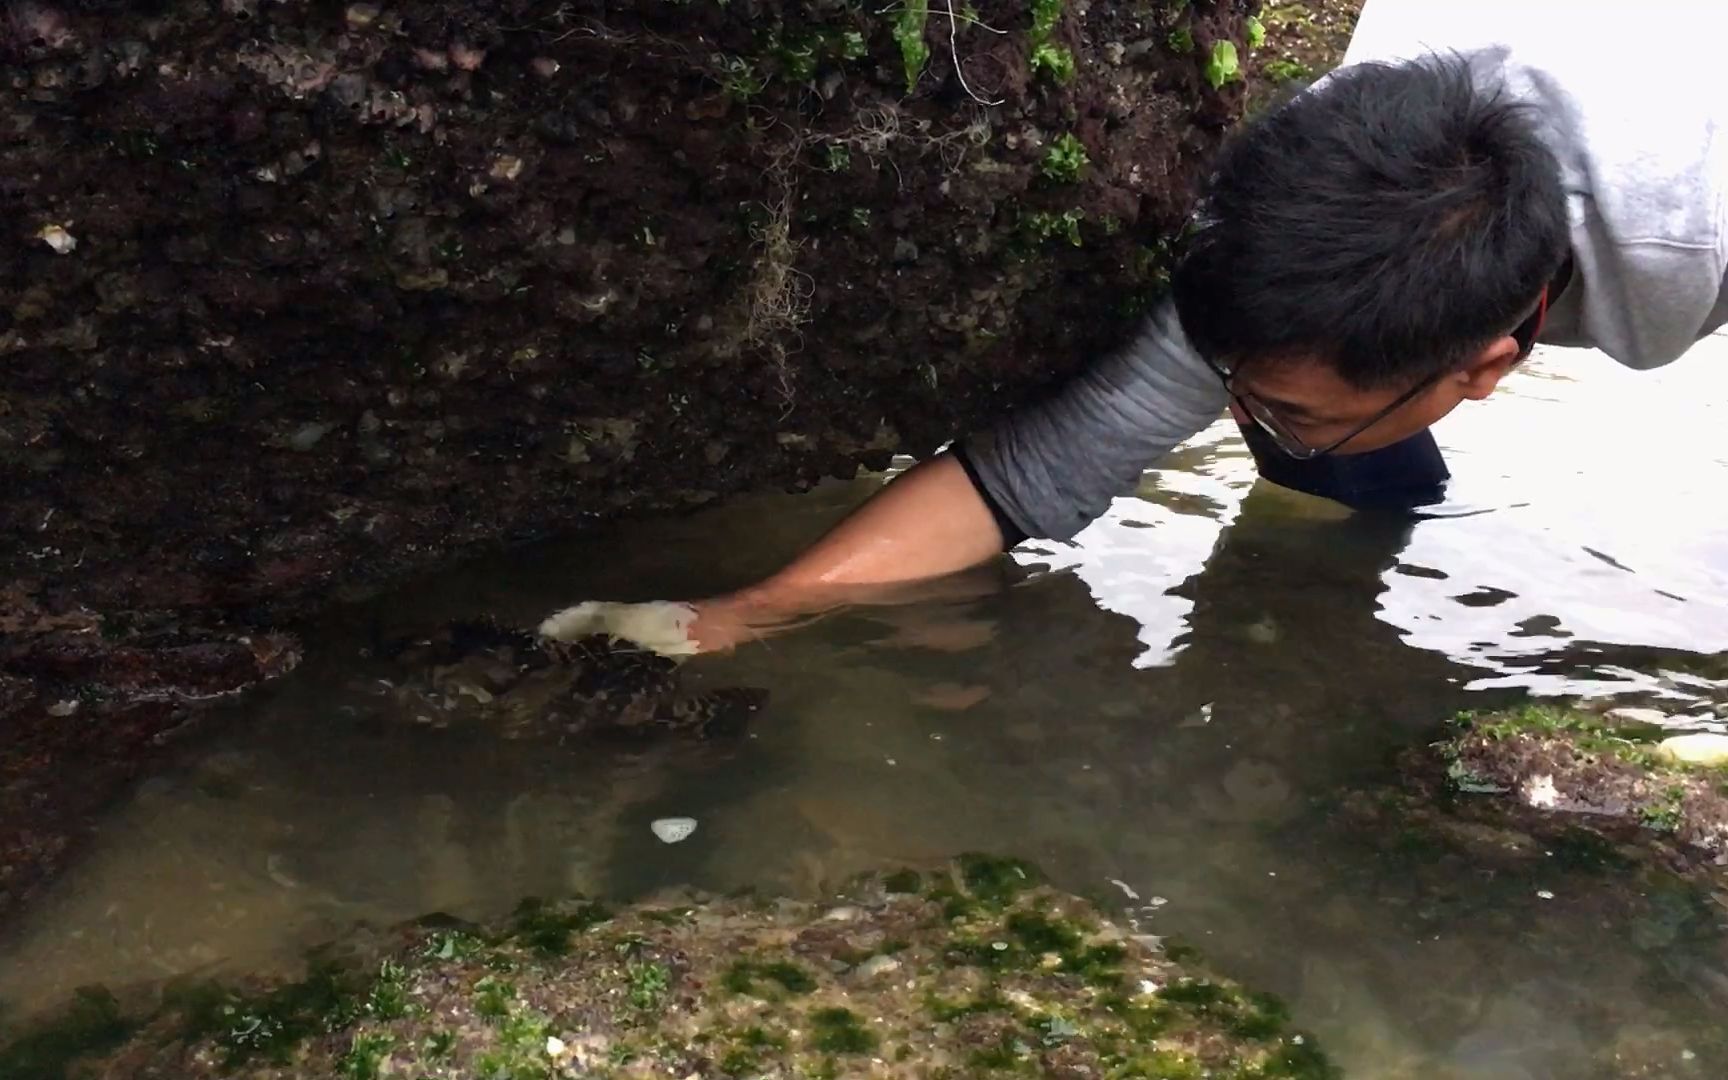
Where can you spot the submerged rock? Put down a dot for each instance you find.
(481, 673)
(976, 969)
(1567, 762)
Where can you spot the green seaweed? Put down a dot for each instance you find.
(493, 997)
(547, 930)
(1046, 56)
(995, 879)
(1041, 225)
(649, 982)
(742, 976)
(329, 999)
(1065, 158)
(836, 1030)
(1223, 65)
(365, 1054)
(908, 27)
(1284, 69)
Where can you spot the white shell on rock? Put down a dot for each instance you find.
(56, 237)
(671, 830)
(1701, 748)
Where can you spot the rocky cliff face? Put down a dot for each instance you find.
(297, 297)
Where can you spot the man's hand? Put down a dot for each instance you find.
(928, 523)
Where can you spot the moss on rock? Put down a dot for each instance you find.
(1565, 761)
(1021, 979)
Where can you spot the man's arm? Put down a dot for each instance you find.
(1044, 471)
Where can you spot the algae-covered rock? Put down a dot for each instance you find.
(1568, 762)
(974, 969)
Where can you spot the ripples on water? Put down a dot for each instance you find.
(1160, 707)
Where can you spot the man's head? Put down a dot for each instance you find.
(1369, 248)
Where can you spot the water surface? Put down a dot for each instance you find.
(1167, 708)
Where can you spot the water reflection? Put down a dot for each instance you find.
(1175, 706)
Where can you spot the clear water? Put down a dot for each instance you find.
(1168, 707)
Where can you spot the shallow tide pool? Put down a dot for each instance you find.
(1164, 715)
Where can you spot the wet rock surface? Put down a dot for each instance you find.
(1594, 771)
(966, 969)
(483, 675)
(1528, 824)
(298, 299)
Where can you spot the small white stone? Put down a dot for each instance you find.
(1544, 894)
(1699, 748)
(554, 1046)
(877, 966)
(56, 237)
(672, 830)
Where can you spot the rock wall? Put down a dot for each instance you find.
(300, 297)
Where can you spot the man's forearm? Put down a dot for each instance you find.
(928, 522)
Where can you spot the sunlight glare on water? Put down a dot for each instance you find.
(1179, 702)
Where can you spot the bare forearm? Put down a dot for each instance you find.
(928, 522)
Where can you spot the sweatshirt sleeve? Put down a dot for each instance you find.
(1052, 468)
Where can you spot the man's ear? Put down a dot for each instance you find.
(1480, 376)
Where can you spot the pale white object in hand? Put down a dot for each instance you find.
(660, 625)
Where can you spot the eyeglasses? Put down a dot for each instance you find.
(1292, 445)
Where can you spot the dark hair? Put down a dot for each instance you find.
(1390, 222)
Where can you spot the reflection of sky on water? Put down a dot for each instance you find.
(1586, 505)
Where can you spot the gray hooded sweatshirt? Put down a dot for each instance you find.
(1641, 133)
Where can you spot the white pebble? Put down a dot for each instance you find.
(672, 830)
(1545, 894)
(58, 238)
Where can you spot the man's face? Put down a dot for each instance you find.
(1317, 406)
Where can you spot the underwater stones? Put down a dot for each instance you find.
(482, 675)
(978, 974)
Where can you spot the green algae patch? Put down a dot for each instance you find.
(978, 968)
(1564, 761)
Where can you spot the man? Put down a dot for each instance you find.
(1474, 178)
